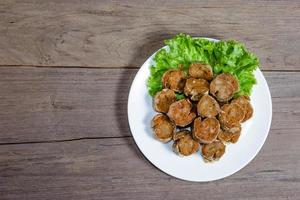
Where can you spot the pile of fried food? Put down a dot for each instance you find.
(207, 118)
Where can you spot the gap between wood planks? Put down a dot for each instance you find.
(66, 140)
(70, 67)
(124, 67)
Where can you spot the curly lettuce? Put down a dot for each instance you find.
(224, 56)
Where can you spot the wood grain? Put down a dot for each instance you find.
(115, 169)
(93, 33)
(38, 104)
(65, 72)
(41, 104)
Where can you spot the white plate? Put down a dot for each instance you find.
(193, 168)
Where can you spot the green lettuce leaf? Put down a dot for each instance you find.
(223, 56)
(179, 96)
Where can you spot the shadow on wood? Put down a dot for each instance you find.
(153, 42)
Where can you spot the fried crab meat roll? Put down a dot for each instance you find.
(231, 115)
(224, 86)
(213, 151)
(196, 88)
(174, 79)
(163, 128)
(244, 102)
(206, 131)
(208, 107)
(181, 112)
(163, 100)
(231, 135)
(184, 144)
(201, 70)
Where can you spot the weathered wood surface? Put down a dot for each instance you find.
(38, 104)
(41, 104)
(63, 125)
(115, 169)
(121, 33)
(49, 105)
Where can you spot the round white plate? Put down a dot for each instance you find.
(193, 168)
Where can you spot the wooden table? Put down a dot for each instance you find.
(66, 68)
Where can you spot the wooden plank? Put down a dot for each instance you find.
(40, 104)
(53, 104)
(124, 33)
(115, 169)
